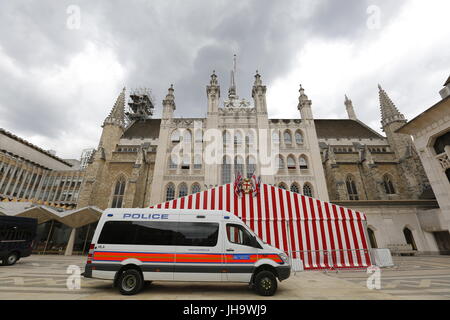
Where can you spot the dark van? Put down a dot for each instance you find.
(16, 238)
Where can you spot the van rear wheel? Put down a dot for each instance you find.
(265, 283)
(130, 282)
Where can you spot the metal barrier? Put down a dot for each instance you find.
(329, 257)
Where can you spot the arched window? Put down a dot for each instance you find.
(307, 190)
(294, 188)
(282, 186)
(173, 161)
(226, 140)
(388, 185)
(287, 137)
(195, 188)
(198, 136)
(226, 170)
(119, 190)
(351, 188)
(303, 163)
(186, 162)
(280, 162)
(182, 190)
(249, 138)
(238, 166)
(226, 137)
(187, 136)
(175, 137)
(170, 192)
(237, 138)
(197, 161)
(275, 137)
(409, 238)
(251, 166)
(441, 142)
(298, 137)
(291, 162)
(372, 239)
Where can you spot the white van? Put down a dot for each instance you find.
(133, 246)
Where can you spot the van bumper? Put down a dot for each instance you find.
(284, 272)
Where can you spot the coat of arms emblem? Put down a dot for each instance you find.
(246, 185)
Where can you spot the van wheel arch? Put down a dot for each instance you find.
(264, 267)
(124, 268)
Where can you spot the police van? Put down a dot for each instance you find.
(137, 246)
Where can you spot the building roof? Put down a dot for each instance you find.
(447, 82)
(148, 128)
(29, 144)
(344, 128)
(437, 111)
(325, 128)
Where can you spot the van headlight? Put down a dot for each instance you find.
(284, 258)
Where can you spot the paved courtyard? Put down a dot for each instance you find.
(44, 277)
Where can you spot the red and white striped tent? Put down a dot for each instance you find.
(320, 233)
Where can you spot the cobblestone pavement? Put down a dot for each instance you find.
(423, 277)
(45, 277)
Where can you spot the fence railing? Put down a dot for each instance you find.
(330, 255)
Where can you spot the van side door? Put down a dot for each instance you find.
(146, 243)
(240, 255)
(199, 248)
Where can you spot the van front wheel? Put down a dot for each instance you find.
(265, 283)
(130, 282)
(10, 259)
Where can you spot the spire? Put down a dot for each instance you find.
(389, 112)
(350, 111)
(117, 114)
(232, 90)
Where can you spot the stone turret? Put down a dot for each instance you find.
(169, 104)
(410, 165)
(213, 94)
(259, 94)
(350, 110)
(113, 128)
(117, 114)
(389, 112)
(304, 105)
(391, 120)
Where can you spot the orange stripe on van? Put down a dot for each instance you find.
(183, 257)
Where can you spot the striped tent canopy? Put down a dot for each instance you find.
(321, 234)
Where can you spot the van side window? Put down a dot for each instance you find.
(118, 232)
(156, 233)
(160, 233)
(198, 234)
(238, 234)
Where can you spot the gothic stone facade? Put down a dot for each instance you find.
(343, 161)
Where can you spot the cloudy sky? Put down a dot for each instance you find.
(63, 63)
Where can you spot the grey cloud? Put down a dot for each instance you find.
(164, 42)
